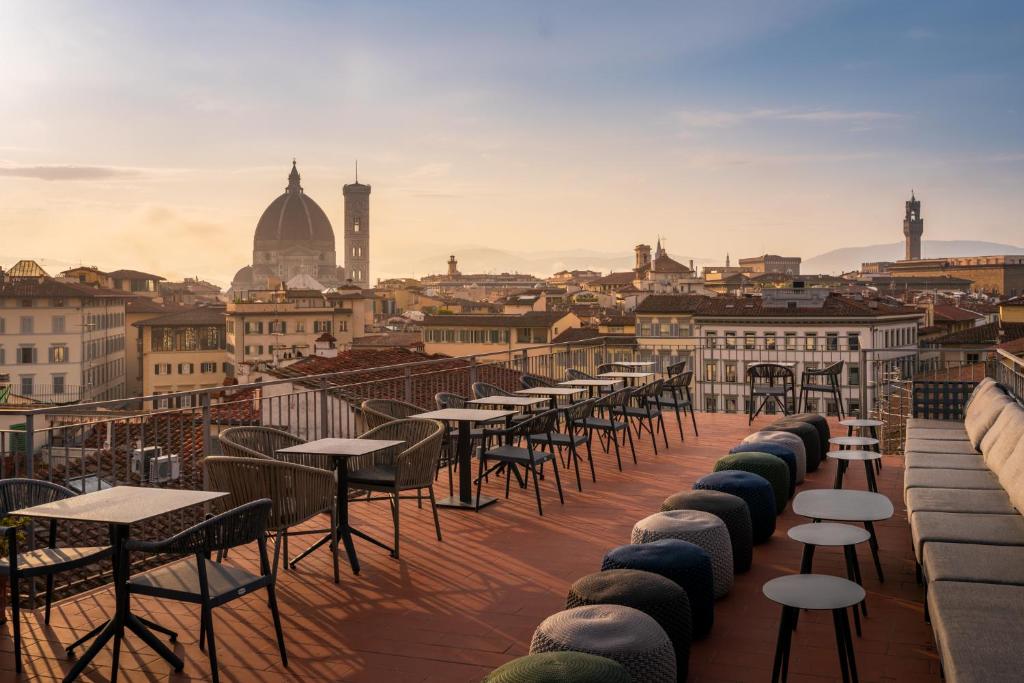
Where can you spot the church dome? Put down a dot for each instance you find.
(294, 216)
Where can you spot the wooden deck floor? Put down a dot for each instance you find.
(452, 611)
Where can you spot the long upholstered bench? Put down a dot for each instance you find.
(964, 490)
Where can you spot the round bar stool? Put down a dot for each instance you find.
(559, 667)
(623, 634)
(730, 509)
(700, 528)
(860, 424)
(839, 505)
(818, 592)
(832, 534)
(843, 460)
(659, 598)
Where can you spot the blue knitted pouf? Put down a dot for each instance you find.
(754, 489)
(686, 563)
(778, 450)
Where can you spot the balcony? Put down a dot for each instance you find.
(454, 610)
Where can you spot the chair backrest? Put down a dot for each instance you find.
(531, 381)
(580, 411)
(483, 390)
(255, 442)
(16, 494)
(650, 390)
(767, 371)
(416, 459)
(616, 399)
(605, 367)
(836, 369)
(541, 423)
(573, 373)
(446, 399)
(296, 492)
(239, 526)
(377, 411)
(676, 369)
(680, 381)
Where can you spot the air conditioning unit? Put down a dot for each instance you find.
(152, 466)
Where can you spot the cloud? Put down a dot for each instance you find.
(67, 172)
(721, 118)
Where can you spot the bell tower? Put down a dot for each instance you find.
(913, 227)
(357, 232)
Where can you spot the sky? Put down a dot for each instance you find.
(152, 135)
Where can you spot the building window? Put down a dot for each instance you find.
(730, 340)
(711, 339)
(59, 354)
(58, 384)
(769, 341)
(853, 407)
(710, 370)
(207, 368)
(162, 369)
(749, 340)
(790, 341)
(254, 327)
(811, 341)
(58, 324)
(832, 341)
(27, 324)
(320, 326)
(711, 404)
(26, 303)
(185, 368)
(27, 385)
(300, 325)
(355, 225)
(26, 355)
(278, 327)
(730, 372)
(853, 341)
(730, 404)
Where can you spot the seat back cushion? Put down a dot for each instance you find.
(983, 413)
(984, 386)
(1002, 438)
(1011, 476)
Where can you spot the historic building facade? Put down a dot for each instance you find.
(294, 242)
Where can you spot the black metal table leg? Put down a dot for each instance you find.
(464, 500)
(837, 622)
(869, 470)
(873, 544)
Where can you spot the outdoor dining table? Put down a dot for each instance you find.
(553, 393)
(634, 363)
(838, 505)
(591, 384)
(120, 508)
(508, 401)
(630, 376)
(466, 418)
(340, 451)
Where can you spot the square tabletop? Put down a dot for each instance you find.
(507, 401)
(634, 363)
(465, 415)
(550, 391)
(120, 504)
(342, 448)
(626, 375)
(780, 363)
(595, 382)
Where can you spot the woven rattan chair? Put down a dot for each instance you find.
(484, 389)
(18, 565)
(377, 411)
(198, 580)
(675, 395)
(297, 493)
(573, 373)
(255, 442)
(822, 381)
(410, 466)
(531, 381)
(676, 368)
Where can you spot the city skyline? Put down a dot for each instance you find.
(742, 128)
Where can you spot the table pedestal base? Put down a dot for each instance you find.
(457, 503)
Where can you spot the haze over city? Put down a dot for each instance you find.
(155, 135)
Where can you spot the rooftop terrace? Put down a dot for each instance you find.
(453, 611)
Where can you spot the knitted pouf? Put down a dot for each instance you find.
(780, 451)
(754, 490)
(660, 598)
(699, 528)
(623, 634)
(790, 441)
(819, 422)
(730, 509)
(807, 433)
(559, 667)
(768, 466)
(687, 564)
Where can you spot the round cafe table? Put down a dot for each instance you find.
(843, 460)
(861, 424)
(834, 535)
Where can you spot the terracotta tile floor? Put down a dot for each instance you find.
(451, 611)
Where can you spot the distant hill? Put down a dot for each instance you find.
(850, 258)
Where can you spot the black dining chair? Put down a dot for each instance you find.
(607, 423)
(769, 384)
(646, 406)
(675, 396)
(19, 564)
(521, 460)
(198, 580)
(571, 437)
(532, 381)
(822, 381)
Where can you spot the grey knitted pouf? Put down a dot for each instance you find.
(653, 594)
(730, 509)
(794, 442)
(699, 528)
(560, 667)
(623, 634)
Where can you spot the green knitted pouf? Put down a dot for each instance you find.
(559, 667)
(765, 465)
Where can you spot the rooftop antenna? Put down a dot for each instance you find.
(357, 171)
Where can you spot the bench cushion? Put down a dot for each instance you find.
(973, 562)
(989, 502)
(953, 527)
(1002, 439)
(978, 630)
(1011, 475)
(983, 413)
(939, 446)
(949, 479)
(932, 423)
(957, 434)
(952, 461)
